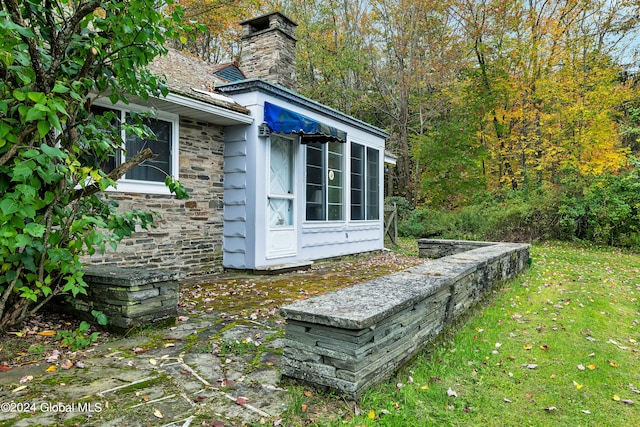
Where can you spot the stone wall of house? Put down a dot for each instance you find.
(188, 236)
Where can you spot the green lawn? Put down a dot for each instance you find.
(558, 346)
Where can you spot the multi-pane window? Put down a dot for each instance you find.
(325, 181)
(365, 183)
(158, 167)
(153, 170)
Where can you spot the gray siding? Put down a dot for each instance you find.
(235, 198)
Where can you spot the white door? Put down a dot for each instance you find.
(281, 234)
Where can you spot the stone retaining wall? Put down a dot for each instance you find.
(353, 338)
(130, 297)
(437, 248)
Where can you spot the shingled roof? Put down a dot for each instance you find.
(191, 77)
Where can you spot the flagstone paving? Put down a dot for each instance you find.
(213, 368)
(171, 377)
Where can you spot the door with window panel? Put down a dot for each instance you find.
(281, 238)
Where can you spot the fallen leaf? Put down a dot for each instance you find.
(424, 387)
(169, 344)
(551, 408)
(139, 350)
(308, 393)
(527, 346)
(241, 400)
(182, 318)
(614, 364)
(578, 386)
(507, 400)
(591, 367)
(616, 397)
(586, 411)
(80, 365)
(4, 368)
(372, 414)
(26, 379)
(530, 366)
(153, 361)
(51, 368)
(451, 392)
(633, 389)
(17, 389)
(303, 408)
(627, 401)
(581, 367)
(157, 413)
(66, 364)
(145, 398)
(544, 347)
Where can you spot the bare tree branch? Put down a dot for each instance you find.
(115, 174)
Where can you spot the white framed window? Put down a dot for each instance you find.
(365, 183)
(325, 181)
(149, 176)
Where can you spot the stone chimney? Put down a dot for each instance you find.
(269, 49)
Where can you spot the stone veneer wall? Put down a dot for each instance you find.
(353, 338)
(189, 232)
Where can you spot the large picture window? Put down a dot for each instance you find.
(365, 183)
(325, 181)
(150, 174)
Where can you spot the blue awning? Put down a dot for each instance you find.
(281, 120)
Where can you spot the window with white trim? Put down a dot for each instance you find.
(365, 182)
(325, 181)
(149, 176)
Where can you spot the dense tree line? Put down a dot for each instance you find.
(477, 94)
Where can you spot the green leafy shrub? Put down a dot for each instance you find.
(78, 338)
(602, 210)
(57, 58)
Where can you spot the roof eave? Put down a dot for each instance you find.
(250, 85)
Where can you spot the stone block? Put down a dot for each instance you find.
(129, 298)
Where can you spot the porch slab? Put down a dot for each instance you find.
(283, 268)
